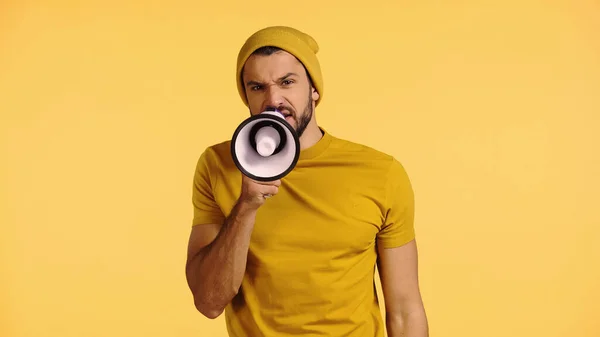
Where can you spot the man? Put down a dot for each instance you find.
(297, 256)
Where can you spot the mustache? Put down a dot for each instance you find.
(283, 109)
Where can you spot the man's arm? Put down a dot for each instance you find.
(216, 261)
(405, 312)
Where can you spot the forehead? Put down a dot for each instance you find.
(274, 65)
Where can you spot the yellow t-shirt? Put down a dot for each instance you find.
(312, 255)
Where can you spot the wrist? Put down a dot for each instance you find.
(244, 208)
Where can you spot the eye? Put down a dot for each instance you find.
(287, 82)
(255, 87)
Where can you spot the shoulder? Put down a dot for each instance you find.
(216, 156)
(363, 152)
(388, 167)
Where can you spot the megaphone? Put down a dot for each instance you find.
(265, 146)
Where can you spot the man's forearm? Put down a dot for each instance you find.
(412, 324)
(216, 272)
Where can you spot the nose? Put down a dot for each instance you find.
(273, 98)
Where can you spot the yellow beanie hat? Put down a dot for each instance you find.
(295, 42)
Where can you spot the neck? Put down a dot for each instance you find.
(311, 136)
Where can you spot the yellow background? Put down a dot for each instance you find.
(493, 107)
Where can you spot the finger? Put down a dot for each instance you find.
(271, 190)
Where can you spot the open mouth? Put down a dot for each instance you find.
(285, 114)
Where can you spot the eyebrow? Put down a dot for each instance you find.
(279, 79)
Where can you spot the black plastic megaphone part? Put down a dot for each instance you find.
(271, 120)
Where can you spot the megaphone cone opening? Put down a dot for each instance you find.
(267, 140)
(263, 125)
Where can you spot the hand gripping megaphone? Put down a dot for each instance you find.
(265, 147)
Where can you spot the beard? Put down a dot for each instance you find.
(307, 114)
(302, 121)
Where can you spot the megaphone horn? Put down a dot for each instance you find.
(265, 147)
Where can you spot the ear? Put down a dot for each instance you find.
(315, 94)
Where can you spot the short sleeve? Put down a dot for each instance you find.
(206, 209)
(398, 226)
